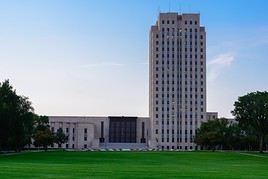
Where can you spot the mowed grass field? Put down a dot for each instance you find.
(61, 164)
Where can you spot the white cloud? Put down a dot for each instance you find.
(217, 65)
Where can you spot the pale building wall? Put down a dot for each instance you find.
(212, 115)
(147, 129)
(177, 80)
(75, 128)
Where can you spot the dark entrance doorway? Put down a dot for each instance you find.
(122, 129)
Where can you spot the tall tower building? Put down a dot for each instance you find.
(177, 80)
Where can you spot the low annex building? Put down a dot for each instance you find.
(111, 132)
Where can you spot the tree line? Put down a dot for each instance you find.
(20, 127)
(249, 130)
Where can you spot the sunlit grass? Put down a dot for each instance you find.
(60, 164)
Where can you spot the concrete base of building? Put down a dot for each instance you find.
(140, 146)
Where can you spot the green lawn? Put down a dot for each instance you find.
(133, 165)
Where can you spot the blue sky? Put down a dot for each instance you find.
(91, 57)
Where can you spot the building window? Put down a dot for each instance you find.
(85, 138)
(142, 129)
(102, 132)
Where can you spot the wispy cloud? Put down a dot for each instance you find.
(217, 65)
(102, 64)
(111, 64)
(143, 63)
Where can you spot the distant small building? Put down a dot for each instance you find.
(212, 115)
(231, 120)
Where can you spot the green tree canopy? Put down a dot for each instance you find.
(211, 133)
(251, 111)
(60, 137)
(16, 119)
(43, 138)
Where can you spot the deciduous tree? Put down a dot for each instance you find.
(211, 133)
(16, 119)
(251, 111)
(43, 138)
(60, 137)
